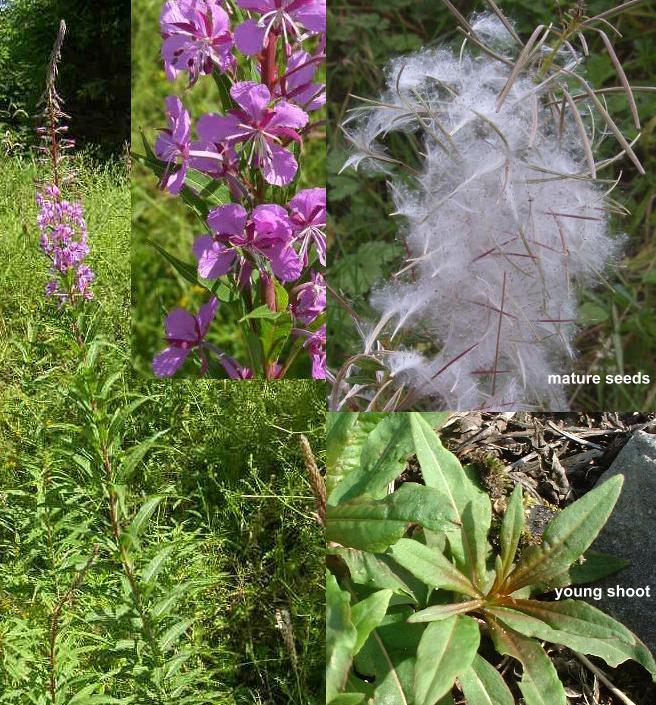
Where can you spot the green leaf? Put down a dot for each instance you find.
(172, 634)
(578, 626)
(431, 567)
(511, 531)
(154, 566)
(346, 434)
(437, 613)
(380, 571)
(446, 650)
(382, 458)
(143, 515)
(482, 684)
(540, 684)
(441, 469)
(274, 334)
(368, 614)
(282, 297)
(388, 660)
(347, 699)
(262, 312)
(186, 270)
(591, 567)
(134, 456)
(341, 637)
(373, 525)
(567, 536)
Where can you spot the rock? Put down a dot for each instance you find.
(631, 534)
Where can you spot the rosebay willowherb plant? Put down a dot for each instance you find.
(507, 214)
(61, 222)
(418, 601)
(264, 245)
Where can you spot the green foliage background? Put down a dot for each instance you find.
(158, 216)
(94, 79)
(618, 328)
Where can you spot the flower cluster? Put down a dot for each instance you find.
(64, 241)
(266, 241)
(63, 230)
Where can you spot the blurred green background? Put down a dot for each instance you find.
(618, 325)
(158, 216)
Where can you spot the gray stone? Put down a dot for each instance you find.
(631, 534)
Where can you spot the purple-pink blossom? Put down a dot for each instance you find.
(263, 129)
(265, 236)
(316, 347)
(284, 17)
(197, 38)
(173, 145)
(184, 333)
(310, 301)
(296, 84)
(63, 239)
(308, 217)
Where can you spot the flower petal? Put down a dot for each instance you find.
(221, 128)
(285, 263)
(252, 97)
(181, 325)
(288, 115)
(206, 315)
(214, 260)
(279, 168)
(312, 14)
(249, 38)
(169, 361)
(228, 220)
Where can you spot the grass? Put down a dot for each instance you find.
(238, 516)
(158, 216)
(237, 512)
(31, 345)
(618, 331)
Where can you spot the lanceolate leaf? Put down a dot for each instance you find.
(432, 567)
(341, 636)
(482, 684)
(579, 626)
(439, 612)
(511, 530)
(134, 456)
(567, 536)
(373, 525)
(446, 650)
(368, 614)
(143, 515)
(540, 684)
(591, 567)
(382, 459)
(442, 470)
(387, 661)
(346, 434)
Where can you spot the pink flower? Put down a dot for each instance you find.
(296, 84)
(285, 17)
(267, 235)
(316, 347)
(233, 369)
(184, 332)
(310, 299)
(308, 217)
(260, 128)
(173, 144)
(196, 36)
